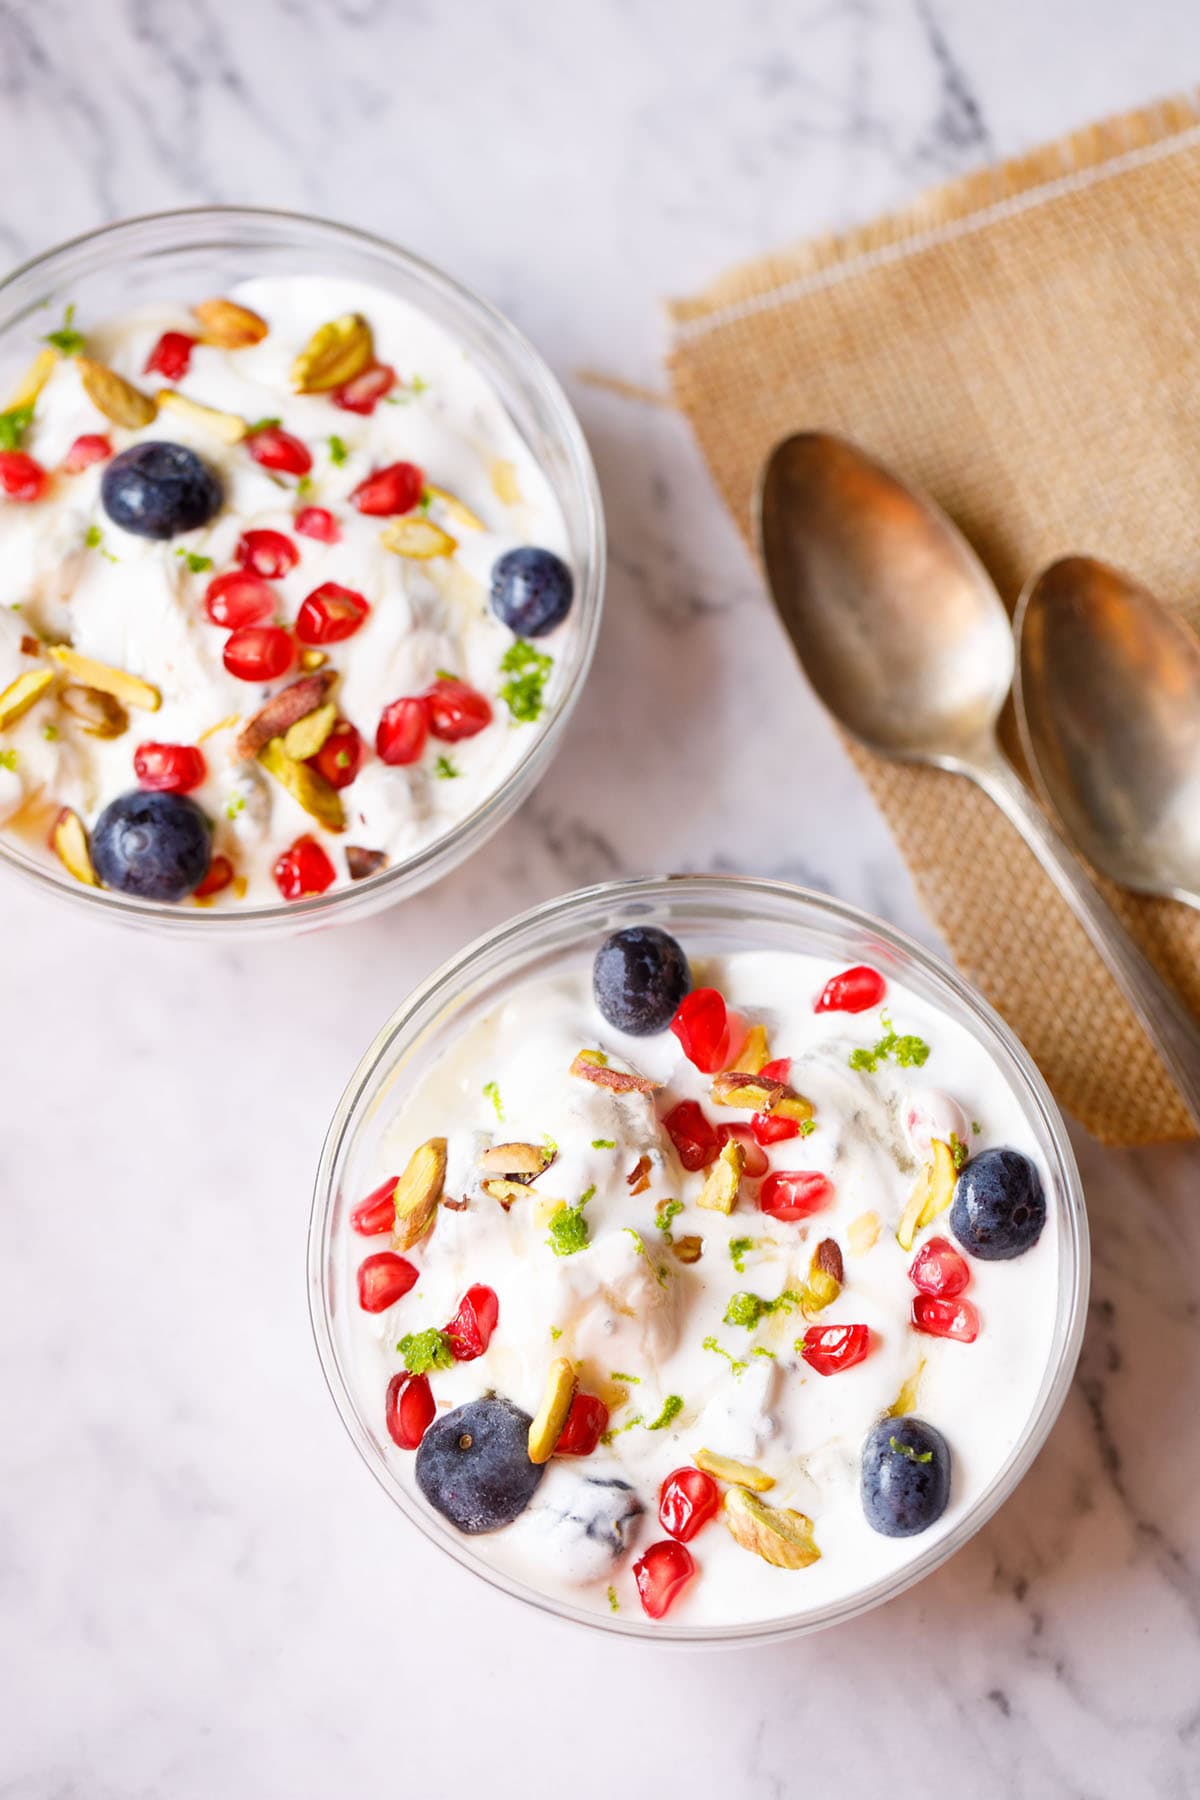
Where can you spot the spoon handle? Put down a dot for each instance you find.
(1170, 1028)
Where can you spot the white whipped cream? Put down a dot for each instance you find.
(134, 604)
(607, 1308)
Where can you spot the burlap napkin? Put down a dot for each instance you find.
(1025, 344)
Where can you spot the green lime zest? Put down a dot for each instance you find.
(9, 760)
(338, 451)
(569, 1229)
(66, 339)
(614, 1605)
(671, 1408)
(909, 1051)
(444, 769)
(738, 1367)
(604, 1143)
(750, 1309)
(917, 1456)
(738, 1248)
(491, 1091)
(529, 671)
(425, 1350)
(13, 425)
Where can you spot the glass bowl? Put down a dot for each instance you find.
(206, 250)
(712, 915)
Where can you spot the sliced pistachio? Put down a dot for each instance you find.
(738, 1087)
(500, 1188)
(781, 1537)
(826, 1273)
(334, 354)
(130, 690)
(720, 1190)
(458, 510)
(755, 1053)
(29, 388)
(115, 397)
(551, 1416)
(98, 713)
(70, 843)
(741, 1474)
(526, 1161)
(688, 1249)
(226, 426)
(305, 737)
(794, 1106)
(313, 659)
(906, 1400)
(418, 538)
(17, 698)
(225, 724)
(418, 1191)
(505, 485)
(931, 1195)
(362, 863)
(308, 787)
(283, 710)
(229, 326)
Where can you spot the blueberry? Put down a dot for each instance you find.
(532, 590)
(905, 1476)
(639, 977)
(474, 1467)
(154, 846)
(155, 490)
(999, 1207)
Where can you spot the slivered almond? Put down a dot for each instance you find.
(115, 397)
(130, 690)
(100, 714)
(283, 710)
(229, 326)
(418, 1191)
(229, 427)
(362, 863)
(418, 538)
(517, 1160)
(17, 698)
(504, 481)
(617, 1081)
(458, 510)
(862, 1233)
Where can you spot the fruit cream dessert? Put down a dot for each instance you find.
(720, 1292)
(283, 594)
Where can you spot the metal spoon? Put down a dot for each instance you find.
(1108, 700)
(906, 641)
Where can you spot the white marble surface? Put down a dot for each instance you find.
(201, 1591)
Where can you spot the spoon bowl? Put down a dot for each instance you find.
(900, 630)
(1109, 706)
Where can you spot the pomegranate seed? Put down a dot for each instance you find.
(470, 1330)
(377, 1213)
(402, 730)
(304, 869)
(794, 1193)
(455, 710)
(756, 1163)
(955, 1319)
(238, 599)
(662, 1572)
(695, 1140)
(279, 450)
(316, 522)
(831, 1348)
(220, 874)
(363, 394)
(586, 1423)
(854, 990)
(341, 755)
(938, 1268)
(396, 489)
(772, 1128)
(702, 1026)
(171, 356)
(410, 1409)
(687, 1500)
(330, 614)
(169, 768)
(779, 1070)
(383, 1279)
(270, 554)
(92, 447)
(259, 653)
(20, 476)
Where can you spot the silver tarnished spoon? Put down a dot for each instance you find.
(903, 636)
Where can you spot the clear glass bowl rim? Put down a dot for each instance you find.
(216, 227)
(436, 997)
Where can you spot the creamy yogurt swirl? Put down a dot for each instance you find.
(649, 1333)
(69, 575)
